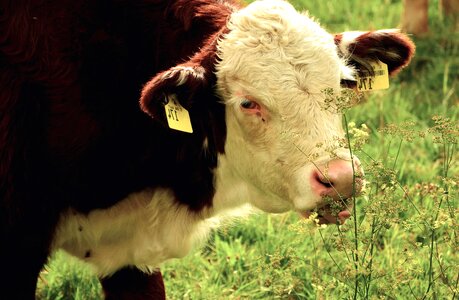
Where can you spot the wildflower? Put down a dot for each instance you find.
(338, 103)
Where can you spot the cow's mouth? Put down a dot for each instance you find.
(329, 215)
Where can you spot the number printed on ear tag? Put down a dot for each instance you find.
(378, 81)
(177, 116)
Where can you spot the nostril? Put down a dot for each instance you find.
(323, 180)
(327, 184)
(337, 179)
(322, 184)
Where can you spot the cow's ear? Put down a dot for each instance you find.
(190, 83)
(389, 46)
(182, 83)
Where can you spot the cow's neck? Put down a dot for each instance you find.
(230, 191)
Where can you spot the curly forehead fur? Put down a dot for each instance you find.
(300, 54)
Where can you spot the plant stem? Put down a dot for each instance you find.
(432, 241)
(370, 263)
(398, 153)
(356, 237)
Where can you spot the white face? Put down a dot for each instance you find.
(275, 64)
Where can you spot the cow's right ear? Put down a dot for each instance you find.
(182, 82)
(190, 83)
(390, 46)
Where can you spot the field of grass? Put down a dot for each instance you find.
(403, 241)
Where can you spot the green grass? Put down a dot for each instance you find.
(403, 243)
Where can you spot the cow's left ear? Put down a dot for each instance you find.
(389, 46)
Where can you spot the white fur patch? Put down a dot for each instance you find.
(347, 39)
(143, 230)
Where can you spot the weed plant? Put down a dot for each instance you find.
(402, 239)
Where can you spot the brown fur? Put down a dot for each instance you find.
(71, 130)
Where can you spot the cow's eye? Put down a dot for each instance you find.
(248, 104)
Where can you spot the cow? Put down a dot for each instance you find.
(130, 128)
(416, 14)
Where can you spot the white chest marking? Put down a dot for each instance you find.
(143, 230)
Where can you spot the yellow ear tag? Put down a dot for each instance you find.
(378, 81)
(177, 116)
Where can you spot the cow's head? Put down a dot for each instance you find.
(269, 69)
